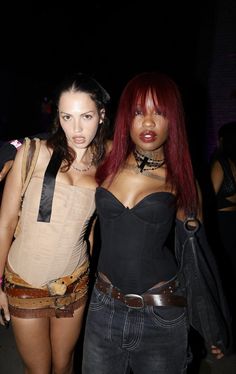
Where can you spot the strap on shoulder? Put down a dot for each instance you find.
(30, 156)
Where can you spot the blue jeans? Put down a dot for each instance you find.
(147, 340)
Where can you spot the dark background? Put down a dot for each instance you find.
(193, 41)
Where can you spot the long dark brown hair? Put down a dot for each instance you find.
(80, 82)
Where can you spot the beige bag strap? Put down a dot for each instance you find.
(30, 156)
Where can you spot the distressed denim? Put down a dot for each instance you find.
(147, 340)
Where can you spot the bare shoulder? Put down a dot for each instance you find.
(108, 146)
(45, 151)
(42, 158)
(217, 176)
(216, 169)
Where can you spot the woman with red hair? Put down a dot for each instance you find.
(137, 318)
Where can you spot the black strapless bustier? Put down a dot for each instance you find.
(134, 255)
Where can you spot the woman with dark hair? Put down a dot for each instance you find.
(44, 270)
(137, 318)
(223, 177)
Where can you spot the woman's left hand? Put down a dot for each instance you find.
(217, 352)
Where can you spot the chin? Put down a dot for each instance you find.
(147, 146)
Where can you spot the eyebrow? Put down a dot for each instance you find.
(89, 111)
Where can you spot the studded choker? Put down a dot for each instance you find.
(146, 163)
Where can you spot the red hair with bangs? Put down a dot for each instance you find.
(167, 99)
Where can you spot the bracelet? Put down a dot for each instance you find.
(1, 281)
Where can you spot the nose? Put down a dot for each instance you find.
(77, 125)
(148, 121)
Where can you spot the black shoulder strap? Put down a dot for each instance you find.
(45, 207)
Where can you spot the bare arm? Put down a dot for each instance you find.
(7, 155)
(6, 168)
(8, 219)
(217, 176)
(91, 236)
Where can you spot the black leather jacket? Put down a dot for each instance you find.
(207, 307)
(8, 150)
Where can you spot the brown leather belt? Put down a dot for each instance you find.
(65, 281)
(164, 296)
(47, 302)
(27, 293)
(57, 294)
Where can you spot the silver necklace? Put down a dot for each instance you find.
(85, 169)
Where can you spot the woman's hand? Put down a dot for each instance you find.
(217, 353)
(4, 315)
(7, 166)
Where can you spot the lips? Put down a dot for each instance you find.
(78, 140)
(148, 136)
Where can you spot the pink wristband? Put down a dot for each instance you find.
(1, 281)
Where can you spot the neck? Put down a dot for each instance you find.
(86, 159)
(144, 162)
(81, 154)
(155, 155)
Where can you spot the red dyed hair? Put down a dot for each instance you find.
(167, 99)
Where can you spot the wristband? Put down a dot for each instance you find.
(1, 281)
(16, 143)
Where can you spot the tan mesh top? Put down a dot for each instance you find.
(45, 251)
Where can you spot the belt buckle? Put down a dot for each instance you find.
(55, 288)
(132, 296)
(61, 302)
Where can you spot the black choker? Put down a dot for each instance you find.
(145, 163)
